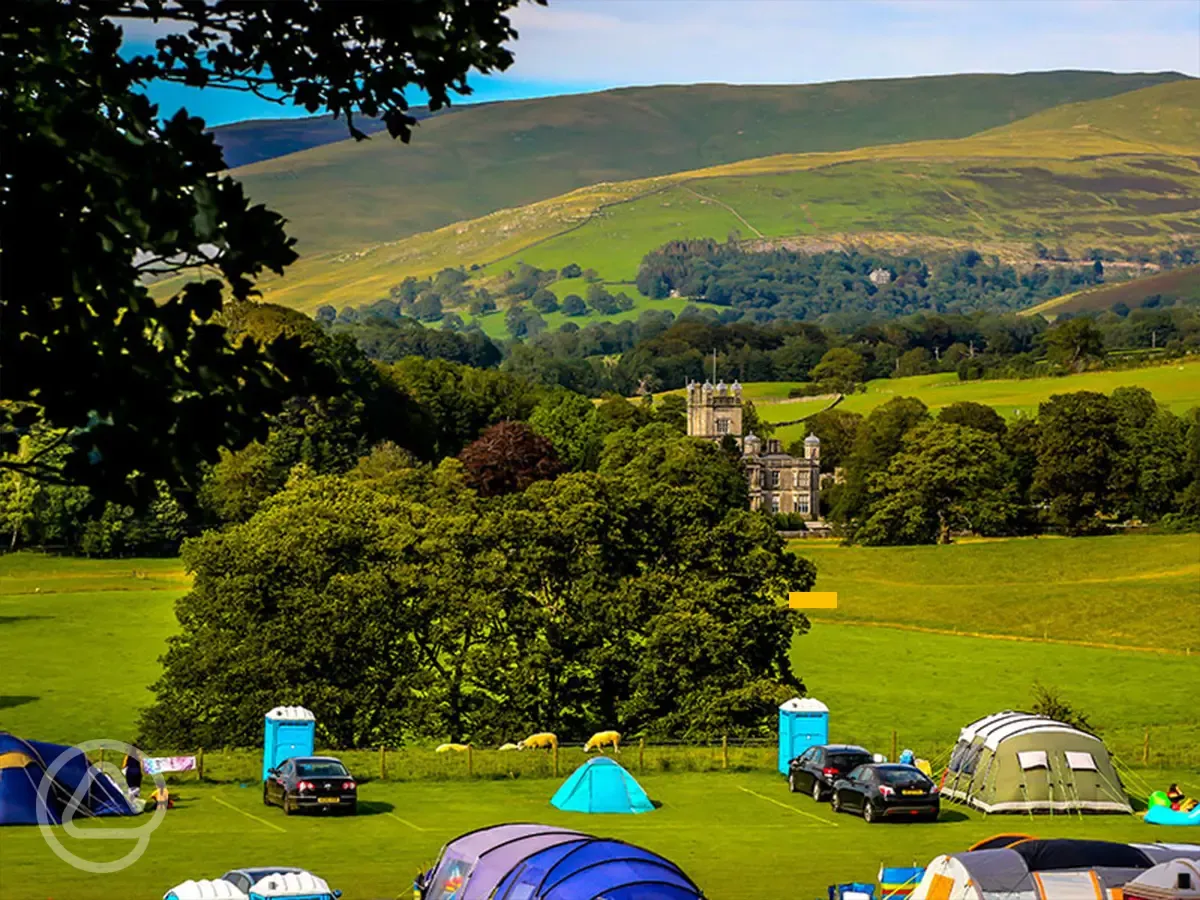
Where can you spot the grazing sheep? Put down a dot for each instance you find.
(509, 747)
(601, 739)
(542, 741)
(446, 748)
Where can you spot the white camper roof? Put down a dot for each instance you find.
(807, 704)
(995, 729)
(291, 714)
(216, 889)
(289, 884)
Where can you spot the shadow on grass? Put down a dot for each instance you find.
(12, 620)
(8, 701)
(374, 808)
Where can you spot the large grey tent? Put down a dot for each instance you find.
(1178, 879)
(1058, 869)
(1017, 762)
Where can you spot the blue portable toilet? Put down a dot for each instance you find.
(287, 731)
(803, 723)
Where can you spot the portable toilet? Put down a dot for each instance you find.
(287, 731)
(803, 723)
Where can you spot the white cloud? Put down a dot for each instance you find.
(789, 41)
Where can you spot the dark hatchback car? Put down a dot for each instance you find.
(816, 769)
(887, 791)
(311, 782)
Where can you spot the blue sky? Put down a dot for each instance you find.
(585, 45)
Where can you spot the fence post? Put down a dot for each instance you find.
(1146, 748)
(724, 751)
(470, 761)
(642, 755)
(895, 752)
(200, 764)
(382, 762)
(556, 760)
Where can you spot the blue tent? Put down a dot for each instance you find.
(23, 766)
(524, 861)
(600, 785)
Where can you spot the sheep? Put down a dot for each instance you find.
(602, 738)
(446, 748)
(542, 741)
(509, 746)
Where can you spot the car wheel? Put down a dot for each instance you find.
(288, 807)
(792, 783)
(869, 812)
(266, 797)
(352, 809)
(931, 817)
(816, 793)
(835, 803)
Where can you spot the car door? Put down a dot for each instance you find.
(282, 778)
(864, 787)
(804, 770)
(853, 796)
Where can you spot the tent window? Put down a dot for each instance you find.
(971, 759)
(1080, 761)
(1033, 759)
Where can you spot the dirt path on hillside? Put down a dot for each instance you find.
(721, 203)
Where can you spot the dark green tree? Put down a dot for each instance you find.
(1077, 449)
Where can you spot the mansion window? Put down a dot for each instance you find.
(722, 426)
(773, 478)
(775, 504)
(802, 504)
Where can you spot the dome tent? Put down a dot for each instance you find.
(1178, 879)
(1017, 762)
(1059, 869)
(540, 862)
(601, 785)
(23, 766)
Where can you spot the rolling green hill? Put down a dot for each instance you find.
(998, 191)
(495, 156)
(1181, 284)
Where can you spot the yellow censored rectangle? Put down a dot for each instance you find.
(812, 599)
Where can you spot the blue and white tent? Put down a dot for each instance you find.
(76, 783)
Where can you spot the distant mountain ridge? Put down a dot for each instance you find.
(479, 159)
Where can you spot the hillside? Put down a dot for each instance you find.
(1163, 289)
(999, 192)
(495, 156)
(258, 139)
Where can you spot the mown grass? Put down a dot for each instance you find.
(1176, 385)
(740, 836)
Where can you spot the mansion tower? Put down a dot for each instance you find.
(779, 482)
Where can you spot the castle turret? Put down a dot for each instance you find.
(812, 447)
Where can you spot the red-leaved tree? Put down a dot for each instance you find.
(509, 457)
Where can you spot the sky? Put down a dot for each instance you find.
(574, 46)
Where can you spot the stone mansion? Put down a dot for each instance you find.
(779, 482)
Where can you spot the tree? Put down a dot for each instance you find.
(1074, 343)
(573, 305)
(101, 192)
(947, 478)
(568, 420)
(879, 437)
(841, 369)
(1077, 447)
(973, 415)
(837, 430)
(509, 457)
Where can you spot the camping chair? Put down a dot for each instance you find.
(899, 882)
(854, 890)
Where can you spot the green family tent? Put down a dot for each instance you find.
(1017, 762)
(601, 785)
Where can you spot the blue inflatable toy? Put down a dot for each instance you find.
(1164, 815)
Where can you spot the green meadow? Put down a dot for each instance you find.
(80, 640)
(1176, 386)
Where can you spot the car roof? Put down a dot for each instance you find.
(311, 759)
(895, 767)
(847, 748)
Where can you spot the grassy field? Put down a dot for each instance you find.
(740, 835)
(80, 639)
(1179, 285)
(486, 157)
(998, 191)
(1176, 386)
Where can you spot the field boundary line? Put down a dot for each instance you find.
(1096, 645)
(405, 821)
(794, 809)
(261, 821)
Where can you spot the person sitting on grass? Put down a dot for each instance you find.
(162, 798)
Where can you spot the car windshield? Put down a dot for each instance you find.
(846, 761)
(904, 778)
(326, 768)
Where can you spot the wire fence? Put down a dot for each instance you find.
(1164, 749)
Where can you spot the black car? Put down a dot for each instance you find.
(887, 790)
(311, 782)
(816, 769)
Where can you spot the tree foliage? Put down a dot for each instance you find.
(102, 192)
